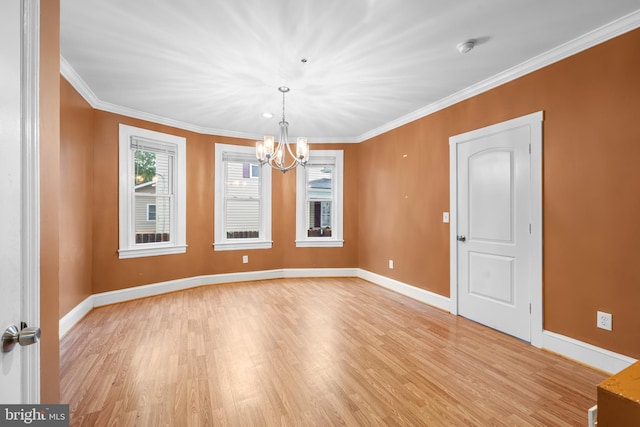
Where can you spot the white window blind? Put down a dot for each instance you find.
(152, 146)
(242, 200)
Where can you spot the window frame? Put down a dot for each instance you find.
(321, 157)
(128, 248)
(221, 242)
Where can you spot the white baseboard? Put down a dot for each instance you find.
(128, 294)
(419, 294)
(71, 318)
(590, 355)
(320, 272)
(570, 348)
(582, 352)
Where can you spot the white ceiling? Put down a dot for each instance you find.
(214, 66)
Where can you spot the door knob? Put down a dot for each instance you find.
(28, 336)
(13, 336)
(10, 338)
(461, 238)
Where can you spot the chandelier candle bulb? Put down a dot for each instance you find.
(259, 150)
(302, 148)
(269, 142)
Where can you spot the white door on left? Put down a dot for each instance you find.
(19, 381)
(10, 178)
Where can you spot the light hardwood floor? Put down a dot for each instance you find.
(309, 352)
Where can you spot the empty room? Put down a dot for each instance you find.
(367, 212)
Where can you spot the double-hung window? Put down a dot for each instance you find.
(319, 200)
(152, 194)
(242, 200)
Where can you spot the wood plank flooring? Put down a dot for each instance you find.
(309, 352)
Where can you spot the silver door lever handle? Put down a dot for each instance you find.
(461, 238)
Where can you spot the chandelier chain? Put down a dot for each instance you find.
(283, 119)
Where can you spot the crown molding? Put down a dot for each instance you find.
(606, 32)
(85, 91)
(78, 84)
(137, 114)
(334, 140)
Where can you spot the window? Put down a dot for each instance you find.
(152, 206)
(319, 200)
(250, 170)
(151, 212)
(242, 200)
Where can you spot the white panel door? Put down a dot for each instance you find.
(10, 176)
(19, 294)
(493, 230)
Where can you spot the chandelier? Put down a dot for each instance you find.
(268, 153)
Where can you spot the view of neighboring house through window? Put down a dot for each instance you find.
(152, 193)
(319, 200)
(151, 212)
(242, 200)
(250, 170)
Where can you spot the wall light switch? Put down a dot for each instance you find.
(445, 217)
(391, 264)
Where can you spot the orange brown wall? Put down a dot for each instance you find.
(76, 211)
(591, 190)
(49, 199)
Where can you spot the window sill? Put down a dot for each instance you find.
(319, 243)
(233, 246)
(151, 251)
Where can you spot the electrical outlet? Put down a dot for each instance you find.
(245, 259)
(391, 264)
(604, 320)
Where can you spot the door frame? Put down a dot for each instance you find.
(534, 121)
(30, 193)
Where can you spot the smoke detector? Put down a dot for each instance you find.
(466, 46)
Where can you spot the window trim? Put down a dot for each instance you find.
(221, 243)
(126, 215)
(335, 157)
